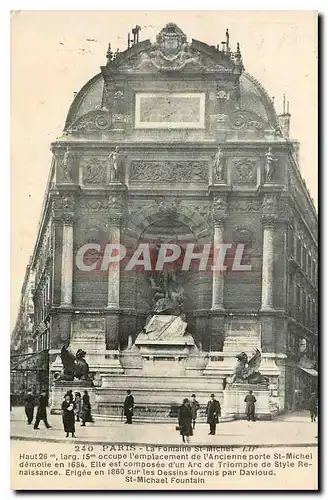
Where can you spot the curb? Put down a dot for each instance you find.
(104, 441)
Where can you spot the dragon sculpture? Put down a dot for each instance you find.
(73, 366)
(247, 370)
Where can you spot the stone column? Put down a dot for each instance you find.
(63, 213)
(219, 217)
(268, 222)
(113, 300)
(218, 276)
(67, 264)
(115, 210)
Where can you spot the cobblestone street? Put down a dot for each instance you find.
(292, 429)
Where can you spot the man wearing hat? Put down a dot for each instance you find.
(194, 409)
(213, 412)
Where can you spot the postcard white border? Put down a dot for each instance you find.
(170, 125)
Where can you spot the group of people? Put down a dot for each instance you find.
(188, 415)
(74, 409)
(41, 413)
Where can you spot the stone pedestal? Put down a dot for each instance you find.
(59, 389)
(234, 395)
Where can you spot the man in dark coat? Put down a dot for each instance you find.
(29, 407)
(86, 409)
(41, 413)
(128, 407)
(194, 409)
(313, 407)
(185, 420)
(250, 401)
(213, 412)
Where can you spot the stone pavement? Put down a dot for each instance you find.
(292, 429)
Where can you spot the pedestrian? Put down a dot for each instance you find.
(128, 407)
(70, 394)
(77, 406)
(194, 409)
(29, 407)
(86, 409)
(41, 413)
(68, 416)
(213, 412)
(250, 401)
(185, 420)
(313, 407)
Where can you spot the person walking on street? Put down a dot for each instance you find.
(70, 394)
(68, 416)
(250, 401)
(128, 407)
(29, 407)
(185, 420)
(313, 407)
(213, 412)
(77, 406)
(86, 409)
(194, 409)
(41, 413)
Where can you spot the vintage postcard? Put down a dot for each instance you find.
(164, 250)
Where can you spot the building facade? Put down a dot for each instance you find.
(174, 141)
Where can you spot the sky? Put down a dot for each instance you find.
(54, 53)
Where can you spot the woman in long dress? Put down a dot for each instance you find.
(185, 420)
(68, 416)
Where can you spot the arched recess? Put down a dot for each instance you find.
(156, 226)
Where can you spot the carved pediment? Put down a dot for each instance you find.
(156, 60)
(94, 121)
(172, 52)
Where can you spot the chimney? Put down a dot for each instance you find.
(284, 119)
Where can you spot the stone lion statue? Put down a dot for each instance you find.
(247, 370)
(73, 366)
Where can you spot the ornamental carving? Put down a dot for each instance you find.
(168, 171)
(94, 121)
(219, 209)
(242, 120)
(245, 206)
(94, 204)
(269, 205)
(94, 170)
(168, 206)
(242, 235)
(244, 171)
(63, 202)
(203, 211)
(115, 203)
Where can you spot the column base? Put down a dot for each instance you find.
(217, 309)
(113, 307)
(64, 305)
(267, 309)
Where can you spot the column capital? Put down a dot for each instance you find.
(268, 220)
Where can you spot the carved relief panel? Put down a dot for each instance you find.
(93, 170)
(168, 171)
(244, 171)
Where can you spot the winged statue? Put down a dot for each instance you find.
(247, 369)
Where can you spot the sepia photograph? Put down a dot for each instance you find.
(164, 250)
